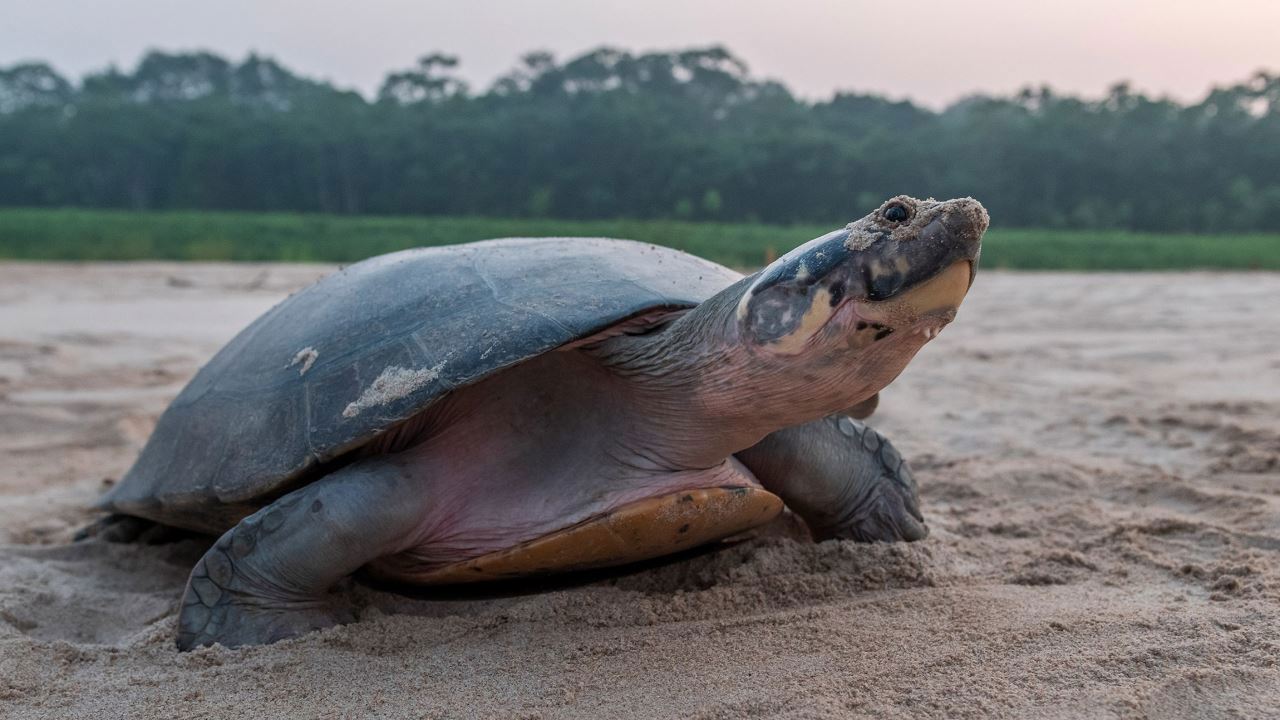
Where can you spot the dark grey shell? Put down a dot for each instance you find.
(365, 348)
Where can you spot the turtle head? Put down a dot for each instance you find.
(894, 278)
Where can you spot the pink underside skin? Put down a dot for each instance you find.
(530, 451)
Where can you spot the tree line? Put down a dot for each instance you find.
(688, 134)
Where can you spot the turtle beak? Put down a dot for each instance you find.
(938, 297)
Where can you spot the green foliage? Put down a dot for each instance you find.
(113, 235)
(687, 134)
(711, 203)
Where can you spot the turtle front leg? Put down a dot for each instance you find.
(844, 479)
(267, 578)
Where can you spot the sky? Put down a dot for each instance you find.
(929, 51)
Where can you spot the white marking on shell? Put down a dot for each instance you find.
(394, 383)
(307, 357)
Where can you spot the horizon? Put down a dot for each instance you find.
(1161, 49)
(475, 88)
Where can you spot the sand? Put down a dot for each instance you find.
(1100, 464)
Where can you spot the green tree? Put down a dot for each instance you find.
(611, 133)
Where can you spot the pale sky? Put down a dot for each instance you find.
(930, 51)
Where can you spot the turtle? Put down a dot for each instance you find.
(520, 407)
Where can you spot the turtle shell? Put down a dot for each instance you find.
(338, 363)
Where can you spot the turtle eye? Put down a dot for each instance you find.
(896, 212)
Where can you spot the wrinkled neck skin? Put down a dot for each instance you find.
(703, 393)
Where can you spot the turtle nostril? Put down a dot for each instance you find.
(962, 227)
(967, 221)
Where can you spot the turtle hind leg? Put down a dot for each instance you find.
(268, 578)
(844, 479)
(129, 529)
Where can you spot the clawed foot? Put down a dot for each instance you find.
(889, 514)
(887, 506)
(227, 601)
(271, 577)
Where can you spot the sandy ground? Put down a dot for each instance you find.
(1100, 463)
